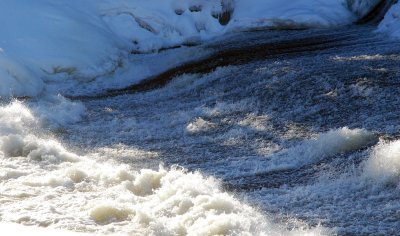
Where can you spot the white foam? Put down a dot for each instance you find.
(148, 202)
(35, 148)
(17, 138)
(20, 230)
(199, 125)
(57, 111)
(327, 144)
(255, 122)
(46, 185)
(384, 162)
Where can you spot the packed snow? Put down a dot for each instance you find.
(45, 43)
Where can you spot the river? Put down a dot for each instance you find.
(267, 132)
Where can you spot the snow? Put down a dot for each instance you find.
(69, 43)
(391, 22)
(44, 37)
(299, 13)
(158, 24)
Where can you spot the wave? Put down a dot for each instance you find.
(384, 163)
(327, 144)
(43, 184)
(314, 150)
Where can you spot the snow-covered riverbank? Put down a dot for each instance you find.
(46, 46)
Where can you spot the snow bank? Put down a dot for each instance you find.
(44, 42)
(391, 22)
(156, 24)
(291, 14)
(44, 37)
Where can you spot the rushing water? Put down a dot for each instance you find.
(300, 141)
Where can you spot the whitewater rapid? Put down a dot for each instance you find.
(43, 184)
